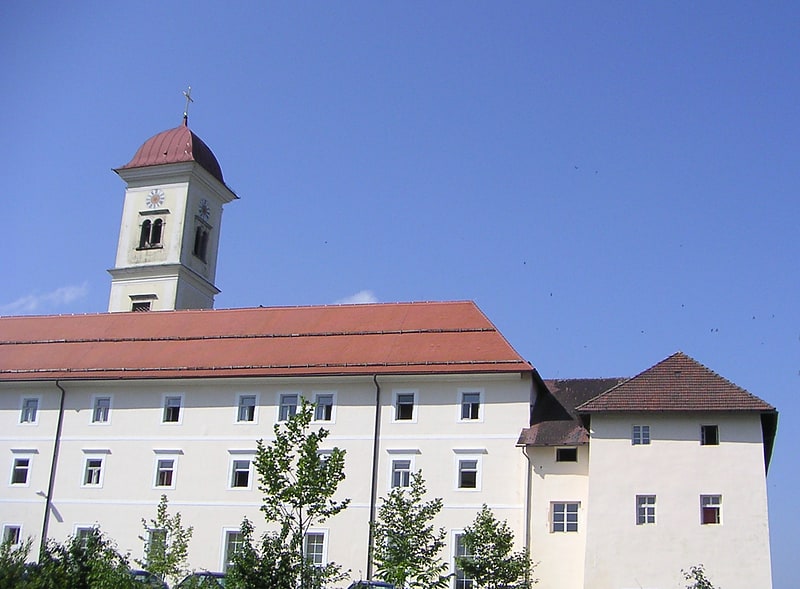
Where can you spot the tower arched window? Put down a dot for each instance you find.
(144, 237)
(200, 248)
(151, 234)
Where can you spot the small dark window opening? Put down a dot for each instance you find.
(200, 249)
(566, 455)
(709, 435)
(405, 407)
(150, 236)
(141, 306)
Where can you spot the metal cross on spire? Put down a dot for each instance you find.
(188, 95)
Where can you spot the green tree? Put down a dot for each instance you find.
(82, 562)
(697, 576)
(13, 558)
(267, 567)
(492, 563)
(166, 544)
(407, 547)
(298, 485)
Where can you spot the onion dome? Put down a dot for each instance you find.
(174, 146)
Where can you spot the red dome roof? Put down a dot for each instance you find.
(175, 146)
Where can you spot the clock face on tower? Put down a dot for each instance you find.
(155, 198)
(204, 211)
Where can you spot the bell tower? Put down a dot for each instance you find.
(169, 235)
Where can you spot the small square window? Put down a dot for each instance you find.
(165, 472)
(323, 410)
(172, 409)
(645, 509)
(641, 435)
(565, 517)
(240, 474)
(566, 455)
(140, 306)
(93, 472)
(467, 474)
(404, 407)
(30, 410)
(12, 535)
(83, 533)
(288, 407)
(470, 406)
(19, 473)
(401, 473)
(247, 409)
(710, 509)
(101, 409)
(709, 435)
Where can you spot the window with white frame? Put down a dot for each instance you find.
(468, 473)
(324, 404)
(404, 405)
(710, 509)
(314, 548)
(12, 534)
(401, 472)
(83, 533)
(30, 410)
(165, 472)
(246, 412)
(240, 473)
(20, 470)
(93, 468)
(709, 435)
(172, 409)
(233, 543)
(640, 435)
(288, 406)
(460, 579)
(645, 509)
(470, 405)
(564, 516)
(156, 541)
(101, 409)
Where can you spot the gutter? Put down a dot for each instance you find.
(373, 498)
(52, 483)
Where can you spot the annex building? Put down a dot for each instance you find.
(611, 483)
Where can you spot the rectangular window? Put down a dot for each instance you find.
(30, 410)
(641, 435)
(101, 409)
(461, 580)
(566, 455)
(470, 405)
(314, 548)
(240, 474)
(93, 472)
(565, 517)
(645, 509)
(172, 409)
(288, 407)
(467, 474)
(404, 407)
(156, 541)
(12, 534)
(709, 435)
(82, 534)
(19, 473)
(233, 543)
(165, 471)
(710, 509)
(140, 306)
(323, 410)
(401, 473)
(247, 408)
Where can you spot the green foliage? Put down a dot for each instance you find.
(492, 564)
(407, 548)
(697, 576)
(12, 564)
(298, 486)
(269, 567)
(89, 562)
(166, 544)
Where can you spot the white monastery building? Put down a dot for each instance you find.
(611, 483)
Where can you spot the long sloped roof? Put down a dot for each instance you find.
(391, 338)
(678, 383)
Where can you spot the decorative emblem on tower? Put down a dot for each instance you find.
(155, 198)
(204, 211)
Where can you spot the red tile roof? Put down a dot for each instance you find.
(175, 146)
(678, 383)
(407, 338)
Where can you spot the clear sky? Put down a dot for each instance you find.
(610, 181)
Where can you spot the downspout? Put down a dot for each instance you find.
(528, 498)
(51, 485)
(373, 499)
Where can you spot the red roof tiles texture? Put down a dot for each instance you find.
(409, 338)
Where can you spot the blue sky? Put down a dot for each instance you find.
(610, 182)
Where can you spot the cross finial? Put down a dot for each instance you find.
(188, 95)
